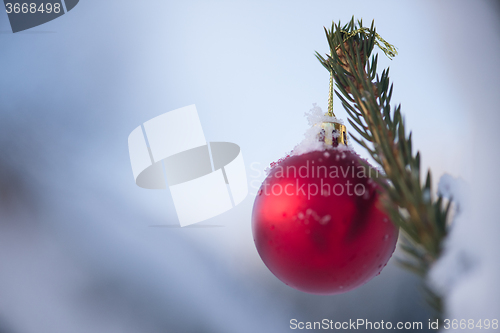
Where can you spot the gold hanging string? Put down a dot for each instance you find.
(389, 50)
(330, 97)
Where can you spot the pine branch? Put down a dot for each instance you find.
(366, 97)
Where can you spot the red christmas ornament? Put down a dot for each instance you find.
(318, 225)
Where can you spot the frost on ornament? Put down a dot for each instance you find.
(274, 164)
(310, 143)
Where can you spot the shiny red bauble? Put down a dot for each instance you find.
(318, 225)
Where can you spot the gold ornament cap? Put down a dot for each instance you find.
(333, 133)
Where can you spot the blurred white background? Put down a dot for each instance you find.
(80, 250)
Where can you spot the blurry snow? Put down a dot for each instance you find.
(454, 189)
(455, 263)
(467, 273)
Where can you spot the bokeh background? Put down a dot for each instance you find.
(83, 249)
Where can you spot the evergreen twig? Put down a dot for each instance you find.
(366, 96)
